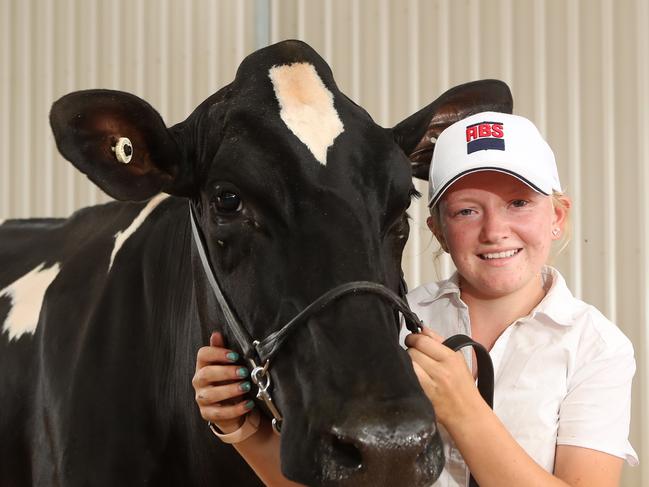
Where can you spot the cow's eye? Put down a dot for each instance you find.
(227, 202)
(401, 227)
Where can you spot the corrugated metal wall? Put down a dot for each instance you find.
(578, 68)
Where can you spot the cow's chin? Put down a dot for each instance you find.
(410, 454)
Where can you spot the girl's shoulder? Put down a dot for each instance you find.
(579, 318)
(598, 334)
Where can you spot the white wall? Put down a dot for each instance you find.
(578, 68)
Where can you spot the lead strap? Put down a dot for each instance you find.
(485, 372)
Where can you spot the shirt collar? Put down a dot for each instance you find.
(557, 304)
(439, 289)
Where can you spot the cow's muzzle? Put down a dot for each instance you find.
(380, 452)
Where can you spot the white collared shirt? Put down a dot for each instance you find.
(562, 374)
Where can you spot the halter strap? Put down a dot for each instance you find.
(270, 345)
(240, 334)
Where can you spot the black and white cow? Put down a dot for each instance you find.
(297, 191)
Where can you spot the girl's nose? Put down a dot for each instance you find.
(494, 227)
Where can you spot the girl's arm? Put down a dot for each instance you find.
(220, 386)
(491, 453)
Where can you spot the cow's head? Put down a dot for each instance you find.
(297, 191)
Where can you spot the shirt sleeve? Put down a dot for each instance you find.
(596, 411)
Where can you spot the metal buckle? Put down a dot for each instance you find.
(261, 378)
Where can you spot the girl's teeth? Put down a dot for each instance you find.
(500, 255)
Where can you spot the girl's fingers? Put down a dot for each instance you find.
(212, 374)
(447, 372)
(429, 346)
(217, 383)
(421, 374)
(426, 363)
(218, 413)
(430, 333)
(214, 355)
(216, 339)
(208, 396)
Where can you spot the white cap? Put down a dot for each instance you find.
(492, 141)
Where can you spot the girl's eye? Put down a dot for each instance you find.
(519, 203)
(465, 212)
(227, 202)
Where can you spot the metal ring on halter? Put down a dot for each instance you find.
(260, 377)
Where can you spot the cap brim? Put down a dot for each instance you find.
(439, 193)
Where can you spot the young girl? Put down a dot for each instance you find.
(562, 371)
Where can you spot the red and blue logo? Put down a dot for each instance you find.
(484, 136)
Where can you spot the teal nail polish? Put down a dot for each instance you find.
(245, 386)
(232, 356)
(242, 372)
(249, 405)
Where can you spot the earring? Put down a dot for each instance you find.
(555, 232)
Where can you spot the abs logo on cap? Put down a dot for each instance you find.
(483, 136)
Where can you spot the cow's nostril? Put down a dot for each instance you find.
(381, 453)
(346, 454)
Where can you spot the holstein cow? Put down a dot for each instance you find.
(296, 191)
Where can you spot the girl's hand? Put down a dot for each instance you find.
(220, 385)
(444, 376)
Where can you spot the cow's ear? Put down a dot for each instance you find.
(120, 142)
(417, 134)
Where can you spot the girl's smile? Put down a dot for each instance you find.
(504, 254)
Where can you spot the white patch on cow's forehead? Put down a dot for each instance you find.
(307, 107)
(122, 236)
(26, 296)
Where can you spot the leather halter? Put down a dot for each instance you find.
(259, 352)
